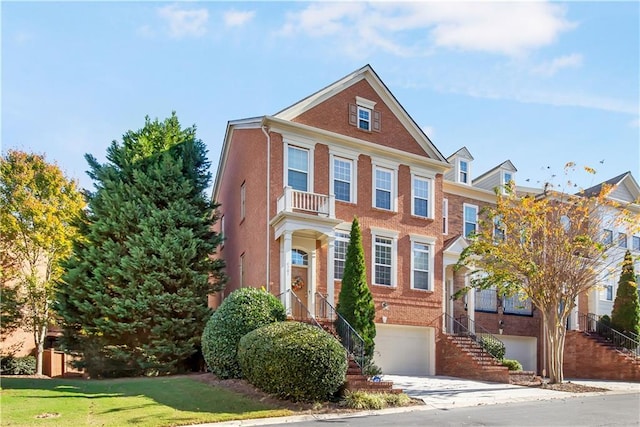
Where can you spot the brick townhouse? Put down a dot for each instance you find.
(289, 185)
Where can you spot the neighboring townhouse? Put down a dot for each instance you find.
(624, 191)
(513, 320)
(290, 184)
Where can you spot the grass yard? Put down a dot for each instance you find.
(164, 401)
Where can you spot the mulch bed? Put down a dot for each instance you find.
(570, 387)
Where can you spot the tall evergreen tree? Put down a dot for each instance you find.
(355, 302)
(134, 300)
(625, 316)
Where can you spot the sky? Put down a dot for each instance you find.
(537, 83)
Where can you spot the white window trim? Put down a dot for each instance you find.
(393, 236)
(430, 242)
(504, 181)
(445, 216)
(430, 198)
(393, 168)
(459, 171)
(358, 118)
(304, 146)
(464, 218)
(366, 103)
(341, 239)
(349, 156)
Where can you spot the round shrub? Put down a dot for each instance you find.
(294, 361)
(512, 364)
(242, 311)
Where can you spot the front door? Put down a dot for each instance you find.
(300, 283)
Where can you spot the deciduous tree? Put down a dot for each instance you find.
(135, 298)
(38, 205)
(548, 247)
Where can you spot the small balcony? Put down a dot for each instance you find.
(307, 203)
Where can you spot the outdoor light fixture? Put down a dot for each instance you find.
(500, 327)
(385, 305)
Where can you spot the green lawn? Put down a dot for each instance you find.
(165, 401)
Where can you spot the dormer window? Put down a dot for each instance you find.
(464, 171)
(363, 115)
(507, 179)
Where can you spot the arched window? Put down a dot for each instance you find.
(299, 257)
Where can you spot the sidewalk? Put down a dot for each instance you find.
(439, 392)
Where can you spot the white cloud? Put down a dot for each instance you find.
(414, 28)
(185, 22)
(234, 18)
(567, 61)
(429, 131)
(635, 123)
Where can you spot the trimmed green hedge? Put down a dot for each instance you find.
(242, 311)
(294, 361)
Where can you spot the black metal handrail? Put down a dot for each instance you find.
(484, 338)
(350, 339)
(297, 309)
(590, 323)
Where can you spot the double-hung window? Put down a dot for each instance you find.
(421, 191)
(384, 186)
(422, 262)
(635, 243)
(622, 240)
(470, 219)
(364, 118)
(383, 260)
(384, 245)
(507, 177)
(607, 237)
(464, 171)
(340, 254)
(298, 168)
(445, 216)
(499, 233)
(342, 179)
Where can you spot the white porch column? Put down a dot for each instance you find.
(573, 317)
(330, 270)
(471, 305)
(285, 268)
(311, 290)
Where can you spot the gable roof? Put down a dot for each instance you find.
(365, 73)
(463, 152)
(624, 179)
(506, 165)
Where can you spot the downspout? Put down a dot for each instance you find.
(265, 130)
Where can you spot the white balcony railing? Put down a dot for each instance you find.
(311, 203)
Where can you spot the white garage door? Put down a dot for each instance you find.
(405, 350)
(522, 349)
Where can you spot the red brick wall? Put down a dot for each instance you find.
(586, 358)
(244, 236)
(451, 361)
(333, 115)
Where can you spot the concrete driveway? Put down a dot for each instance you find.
(446, 392)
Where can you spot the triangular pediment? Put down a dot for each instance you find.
(461, 153)
(623, 188)
(329, 109)
(455, 245)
